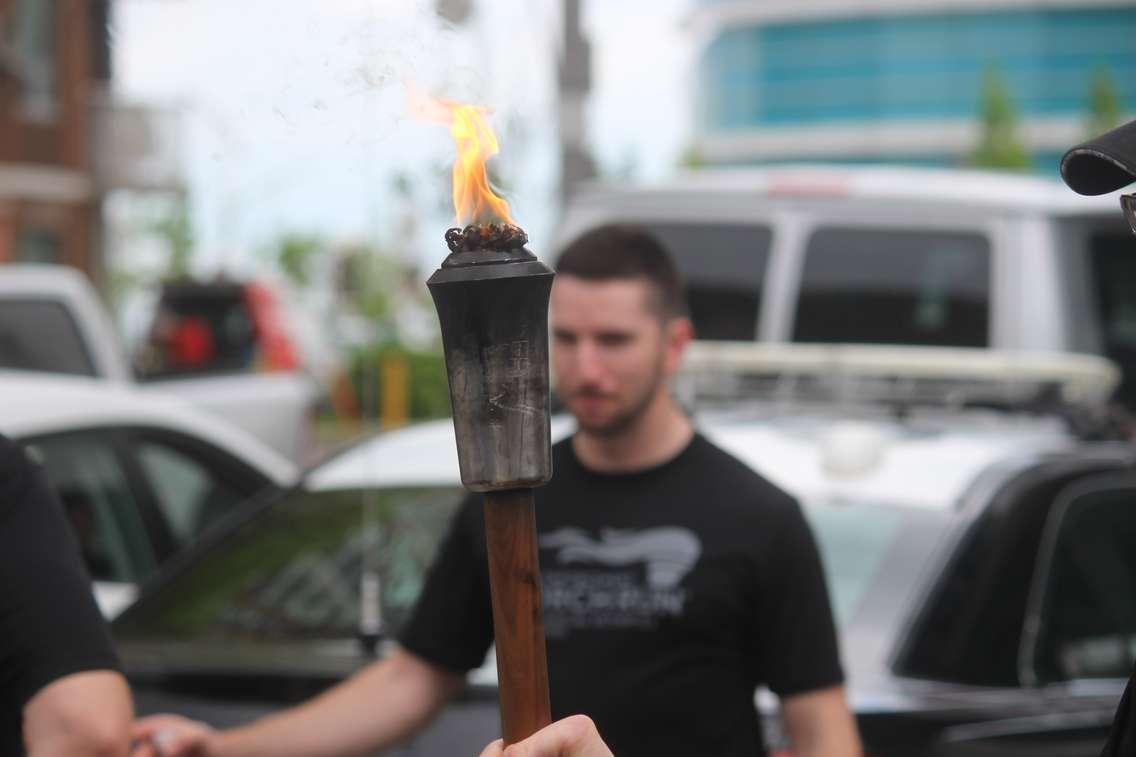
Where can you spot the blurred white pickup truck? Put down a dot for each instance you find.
(876, 255)
(52, 320)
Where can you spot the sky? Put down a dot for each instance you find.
(294, 114)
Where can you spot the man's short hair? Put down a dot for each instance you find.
(627, 251)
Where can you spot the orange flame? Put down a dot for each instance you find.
(474, 199)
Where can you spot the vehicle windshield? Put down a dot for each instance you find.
(859, 546)
(41, 336)
(200, 328)
(296, 569)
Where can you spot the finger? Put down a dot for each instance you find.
(493, 750)
(165, 742)
(168, 735)
(174, 743)
(142, 730)
(145, 728)
(142, 749)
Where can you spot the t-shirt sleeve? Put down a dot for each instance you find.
(798, 648)
(50, 625)
(452, 623)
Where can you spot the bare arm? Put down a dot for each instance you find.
(83, 714)
(381, 705)
(820, 724)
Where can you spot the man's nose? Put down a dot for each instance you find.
(589, 365)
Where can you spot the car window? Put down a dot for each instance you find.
(894, 286)
(723, 266)
(190, 492)
(295, 568)
(103, 511)
(1087, 626)
(41, 336)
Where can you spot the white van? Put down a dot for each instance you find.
(890, 256)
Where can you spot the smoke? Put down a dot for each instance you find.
(296, 113)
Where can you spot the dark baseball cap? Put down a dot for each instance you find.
(1103, 164)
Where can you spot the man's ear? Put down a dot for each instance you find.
(677, 335)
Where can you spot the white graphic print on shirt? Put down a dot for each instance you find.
(626, 579)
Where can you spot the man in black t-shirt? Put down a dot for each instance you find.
(60, 692)
(1101, 165)
(675, 579)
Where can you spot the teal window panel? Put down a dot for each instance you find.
(914, 66)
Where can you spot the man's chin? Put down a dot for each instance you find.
(606, 427)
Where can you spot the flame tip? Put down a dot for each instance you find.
(475, 202)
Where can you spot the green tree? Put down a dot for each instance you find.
(294, 253)
(369, 279)
(428, 388)
(177, 231)
(1105, 107)
(1000, 145)
(692, 157)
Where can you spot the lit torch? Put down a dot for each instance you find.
(492, 300)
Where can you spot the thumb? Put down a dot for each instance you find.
(574, 736)
(168, 736)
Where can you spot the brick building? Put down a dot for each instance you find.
(54, 62)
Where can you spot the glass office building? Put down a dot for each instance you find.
(901, 80)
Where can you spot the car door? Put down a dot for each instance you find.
(966, 642)
(1079, 638)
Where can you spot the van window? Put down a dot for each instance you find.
(41, 336)
(724, 267)
(895, 286)
(1114, 278)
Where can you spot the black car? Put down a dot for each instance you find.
(1007, 627)
(1004, 624)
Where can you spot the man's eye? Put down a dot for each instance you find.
(561, 338)
(613, 340)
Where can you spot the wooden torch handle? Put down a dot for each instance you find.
(514, 578)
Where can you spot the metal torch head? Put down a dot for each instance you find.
(493, 308)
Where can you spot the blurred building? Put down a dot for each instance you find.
(64, 142)
(901, 80)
